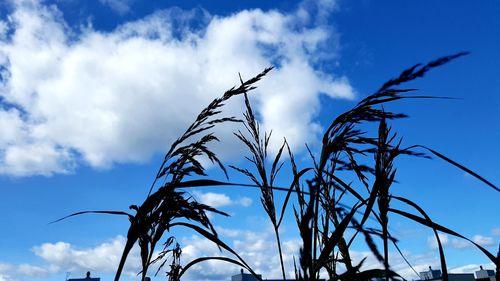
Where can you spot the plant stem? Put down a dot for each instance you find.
(386, 250)
(280, 252)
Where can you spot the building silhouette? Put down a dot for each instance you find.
(485, 274)
(87, 278)
(242, 276)
(436, 275)
(429, 275)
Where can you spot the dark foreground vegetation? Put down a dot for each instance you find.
(325, 204)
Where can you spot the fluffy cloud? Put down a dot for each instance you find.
(62, 257)
(217, 200)
(213, 199)
(86, 96)
(104, 258)
(258, 248)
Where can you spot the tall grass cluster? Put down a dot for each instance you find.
(325, 204)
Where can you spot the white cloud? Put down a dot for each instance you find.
(460, 243)
(62, 257)
(213, 199)
(119, 6)
(104, 258)
(484, 241)
(73, 97)
(217, 200)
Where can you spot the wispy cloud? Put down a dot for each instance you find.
(121, 7)
(481, 240)
(495, 231)
(72, 96)
(4, 272)
(484, 240)
(471, 268)
(432, 242)
(25, 271)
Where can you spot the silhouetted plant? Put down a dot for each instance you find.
(321, 210)
(258, 147)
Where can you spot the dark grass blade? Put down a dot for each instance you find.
(371, 244)
(207, 182)
(120, 213)
(371, 202)
(275, 167)
(439, 227)
(371, 274)
(335, 237)
(225, 259)
(346, 186)
(428, 223)
(462, 167)
(404, 258)
(126, 250)
(438, 240)
(296, 179)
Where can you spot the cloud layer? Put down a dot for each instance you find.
(62, 257)
(83, 96)
(257, 248)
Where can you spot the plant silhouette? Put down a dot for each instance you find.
(322, 200)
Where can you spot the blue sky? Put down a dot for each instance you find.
(93, 93)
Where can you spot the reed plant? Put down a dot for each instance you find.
(325, 205)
